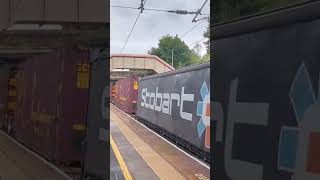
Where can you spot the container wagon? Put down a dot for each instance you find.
(125, 94)
(176, 104)
(52, 103)
(266, 95)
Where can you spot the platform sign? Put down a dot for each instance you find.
(266, 103)
(97, 148)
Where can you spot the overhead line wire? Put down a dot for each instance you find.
(124, 7)
(130, 32)
(199, 12)
(143, 2)
(191, 29)
(154, 9)
(197, 41)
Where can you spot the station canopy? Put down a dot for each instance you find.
(36, 26)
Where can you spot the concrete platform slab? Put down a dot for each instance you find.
(17, 163)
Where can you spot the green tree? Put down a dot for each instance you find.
(182, 55)
(196, 55)
(205, 58)
(197, 49)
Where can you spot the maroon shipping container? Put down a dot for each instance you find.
(4, 76)
(23, 127)
(126, 94)
(52, 103)
(112, 92)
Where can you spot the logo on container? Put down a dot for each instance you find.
(203, 110)
(163, 102)
(299, 147)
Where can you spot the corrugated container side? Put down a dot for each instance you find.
(53, 96)
(11, 99)
(23, 130)
(4, 76)
(119, 94)
(127, 94)
(44, 101)
(73, 104)
(116, 93)
(112, 92)
(133, 94)
(37, 99)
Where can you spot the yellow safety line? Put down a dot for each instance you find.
(121, 162)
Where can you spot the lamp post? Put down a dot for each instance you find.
(172, 57)
(167, 49)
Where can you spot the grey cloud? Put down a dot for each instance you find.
(153, 25)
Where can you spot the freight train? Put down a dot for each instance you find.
(45, 101)
(175, 104)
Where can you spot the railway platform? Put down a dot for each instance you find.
(18, 163)
(143, 154)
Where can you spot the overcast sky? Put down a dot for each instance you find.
(152, 25)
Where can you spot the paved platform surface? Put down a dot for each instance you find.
(137, 167)
(148, 156)
(115, 169)
(16, 163)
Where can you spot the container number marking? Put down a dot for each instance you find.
(83, 67)
(83, 76)
(135, 85)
